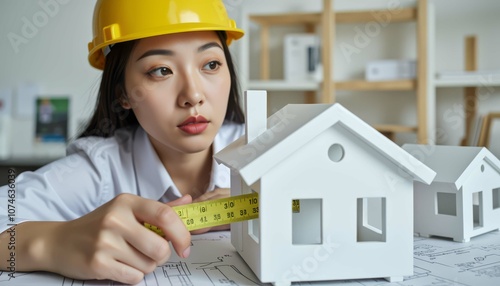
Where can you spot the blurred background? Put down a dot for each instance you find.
(374, 66)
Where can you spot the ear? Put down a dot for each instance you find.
(122, 97)
(125, 103)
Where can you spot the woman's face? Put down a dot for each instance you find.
(178, 87)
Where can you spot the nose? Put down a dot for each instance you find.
(191, 93)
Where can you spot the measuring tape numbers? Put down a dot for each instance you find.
(219, 212)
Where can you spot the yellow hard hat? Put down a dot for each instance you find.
(118, 21)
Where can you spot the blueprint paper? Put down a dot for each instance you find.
(214, 261)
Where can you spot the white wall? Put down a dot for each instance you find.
(453, 24)
(455, 20)
(55, 58)
(44, 42)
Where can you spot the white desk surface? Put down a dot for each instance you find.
(214, 261)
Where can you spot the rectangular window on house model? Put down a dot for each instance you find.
(496, 198)
(446, 203)
(371, 219)
(307, 221)
(477, 210)
(254, 224)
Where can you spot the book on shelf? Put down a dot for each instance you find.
(476, 129)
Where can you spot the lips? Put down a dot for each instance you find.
(194, 125)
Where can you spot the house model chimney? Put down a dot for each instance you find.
(256, 113)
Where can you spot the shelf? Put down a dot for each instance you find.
(395, 128)
(358, 85)
(282, 85)
(324, 23)
(287, 19)
(362, 85)
(470, 81)
(404, 15)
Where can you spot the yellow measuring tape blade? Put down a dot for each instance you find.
(219, 212)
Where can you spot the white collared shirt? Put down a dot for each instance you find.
(96, 170)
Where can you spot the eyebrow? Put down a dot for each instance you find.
(156, 52)
(171, 53)
(208, 46)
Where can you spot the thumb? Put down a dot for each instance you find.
(186, 199)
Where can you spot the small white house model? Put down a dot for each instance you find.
(463, 201)
(354, 185)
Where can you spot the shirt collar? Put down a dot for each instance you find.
(153, 180)
(220, 176)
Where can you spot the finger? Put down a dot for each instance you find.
(186, 199)
(215, 194)
(120, 272)
(148, 243)
(164, 217)
(151, 252)
(214, 228)
(134, 234)
(205, 197)
(221, 227)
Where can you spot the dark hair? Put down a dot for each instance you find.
(109, 115)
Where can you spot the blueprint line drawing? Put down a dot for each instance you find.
(214, 261)
(177, 273)
(221, 273)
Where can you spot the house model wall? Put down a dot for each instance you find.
(354, 185)
(463, 201)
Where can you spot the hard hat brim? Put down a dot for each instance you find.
(97, 59)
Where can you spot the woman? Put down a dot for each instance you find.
(168, 100)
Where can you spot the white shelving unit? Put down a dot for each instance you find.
(280, 85)
(443, 49)
(472, 81)
(326, 20)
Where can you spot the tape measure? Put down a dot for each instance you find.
(219, 212)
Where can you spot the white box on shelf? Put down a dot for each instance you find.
(381, 70)
(301, 57)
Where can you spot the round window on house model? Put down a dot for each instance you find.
(336, 153)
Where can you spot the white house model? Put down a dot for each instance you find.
(463, 201)
(355, 188)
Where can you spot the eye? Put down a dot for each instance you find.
(160, 72)
(213, 65)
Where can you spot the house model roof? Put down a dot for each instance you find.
(453, 164)
(295, 125)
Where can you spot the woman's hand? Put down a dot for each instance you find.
(208, 196)
(112, 242)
